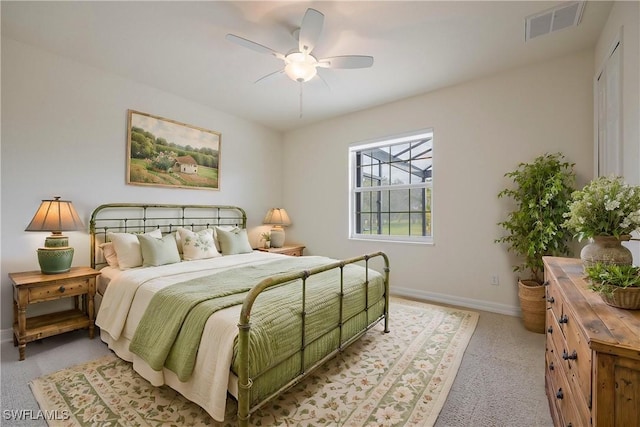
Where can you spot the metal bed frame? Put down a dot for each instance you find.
(141, 218)
(134, 218)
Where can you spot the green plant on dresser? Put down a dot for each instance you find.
(618, 285)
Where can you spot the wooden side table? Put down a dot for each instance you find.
(32, 287)
(292, 250)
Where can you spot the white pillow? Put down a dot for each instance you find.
(128, 249)
(178, 241)
(109, 253)
(197, 245)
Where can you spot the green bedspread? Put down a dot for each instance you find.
(171, 328)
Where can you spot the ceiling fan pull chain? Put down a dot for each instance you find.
(300, 99)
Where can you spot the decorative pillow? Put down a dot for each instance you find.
(197, 245)
(233, 241)
(215, 234)
(158, 251)
(178, 241)
(128, 249)
(109, 253)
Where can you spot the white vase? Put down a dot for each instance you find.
(277, 237)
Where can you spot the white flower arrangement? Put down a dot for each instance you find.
(607, 206)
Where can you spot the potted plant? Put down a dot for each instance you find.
(534, 228)
(266, 236)
(606, 211)
(618, 285)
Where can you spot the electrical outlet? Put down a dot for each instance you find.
(495, 280)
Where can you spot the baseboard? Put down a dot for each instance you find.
(458, 301)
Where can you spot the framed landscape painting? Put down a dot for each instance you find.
(167, 153)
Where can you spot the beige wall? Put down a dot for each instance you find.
(64, 133)
(482, 129)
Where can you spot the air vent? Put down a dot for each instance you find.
(566, 15)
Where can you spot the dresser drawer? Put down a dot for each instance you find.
(571, 410)
(578, 356)
(555, 335)
(295, 252)
(554, 300)
(55, 290)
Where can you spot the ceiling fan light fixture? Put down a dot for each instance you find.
(300, 67)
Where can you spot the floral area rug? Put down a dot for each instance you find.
(395, 379)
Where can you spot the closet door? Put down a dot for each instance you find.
(608, 115)
(609, 152)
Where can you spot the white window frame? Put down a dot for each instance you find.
(354, 189)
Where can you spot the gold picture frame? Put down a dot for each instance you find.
(166, 153)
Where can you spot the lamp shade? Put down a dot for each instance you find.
(277, 216)
(55, 216)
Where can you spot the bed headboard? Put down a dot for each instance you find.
(141, 218)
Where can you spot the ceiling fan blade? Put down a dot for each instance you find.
(347, 61)
(253, 45)
(310, 30)
(323, 80)
(269, 76)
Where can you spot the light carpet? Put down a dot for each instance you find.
(394, 379)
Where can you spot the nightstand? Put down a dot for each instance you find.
(32, 287)
(293, 250)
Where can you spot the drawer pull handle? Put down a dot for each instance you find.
(567, 356)
(560, 394)
(551, 300)
(550, 330)
(61, 289)
(563, 319)
(551, 367)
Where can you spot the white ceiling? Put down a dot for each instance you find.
(180, 47)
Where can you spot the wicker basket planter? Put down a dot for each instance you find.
(532, 304)
(627, 298)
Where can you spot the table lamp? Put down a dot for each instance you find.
(278, 218)
(55, 216)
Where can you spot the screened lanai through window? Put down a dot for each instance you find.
(391, 188)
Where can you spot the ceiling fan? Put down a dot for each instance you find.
(300, 64)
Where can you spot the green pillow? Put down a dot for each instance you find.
(233, 241)
(158, 251)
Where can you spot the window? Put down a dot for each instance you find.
(391, 188)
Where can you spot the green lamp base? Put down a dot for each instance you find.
(55, 260)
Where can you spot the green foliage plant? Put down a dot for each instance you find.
(607, 206)
(541, 192)
(266, 236)
(605, 278)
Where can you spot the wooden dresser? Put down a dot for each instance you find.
(592, 372)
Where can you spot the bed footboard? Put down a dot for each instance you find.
(245, 382)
